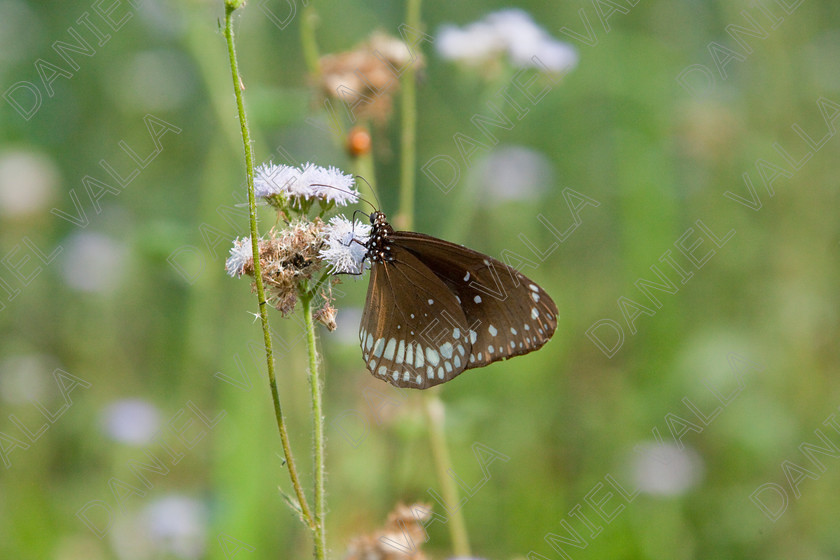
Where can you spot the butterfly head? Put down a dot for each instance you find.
(379, 244)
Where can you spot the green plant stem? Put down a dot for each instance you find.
(432, 404)
(408, 138)
(269, 353)
(434, 409)
(317, 426)
(308, 21)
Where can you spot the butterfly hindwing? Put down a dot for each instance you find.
(409, 330)
(508, 312)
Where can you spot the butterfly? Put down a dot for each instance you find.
(435, 309)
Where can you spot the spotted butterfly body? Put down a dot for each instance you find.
(435, 309)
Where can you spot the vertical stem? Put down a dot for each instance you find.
(435, 412)
(408, 137)
(317, 426)
(432, 404)
(308, 20)
(269, 353)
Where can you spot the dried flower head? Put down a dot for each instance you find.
(326, 315)
(367, 77)
(392, 541)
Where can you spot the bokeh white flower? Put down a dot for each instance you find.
(663, 469)
(25, 378)
(510, 31)
(177, 525)
(28, 182)
(93, 262)
(345, 250)
(131, 421)
(512, 173)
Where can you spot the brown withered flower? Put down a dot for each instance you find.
(400, 538)
(367, 77)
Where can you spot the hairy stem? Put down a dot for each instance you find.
(317, 426)
(269, 354)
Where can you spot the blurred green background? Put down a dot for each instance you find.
(123, 342)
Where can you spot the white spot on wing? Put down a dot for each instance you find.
(409, 353)
(432, 356)
(493, 331)
(467, 277)
(418, 357)
(477, 299)
(446, 350)
(389, 349)
(378, 347)
(400, 352)
(534, 313)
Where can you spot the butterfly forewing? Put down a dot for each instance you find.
(510, 314)
(435, 308)
(410, 332)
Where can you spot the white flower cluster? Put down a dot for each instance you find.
(310, 181)
(240, 254)
(345, 250)
(509, 31)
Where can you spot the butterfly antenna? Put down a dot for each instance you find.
(345, 190)
(379, 204)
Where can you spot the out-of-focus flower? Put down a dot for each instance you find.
(177, 525)
(392, 541)
(131, 421)
(24, 377)
(367, 77)
(510, 32)
(241, 255)
(28, 182)
(92, 262)
(665, 469)
(345, 250)
(513, 173)
(300, 186)
(358, 141)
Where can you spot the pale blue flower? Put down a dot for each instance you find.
(131, 421)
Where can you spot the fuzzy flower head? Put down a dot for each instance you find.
(240, 257)
(345, 245)
(297, 188)
(511, 32)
